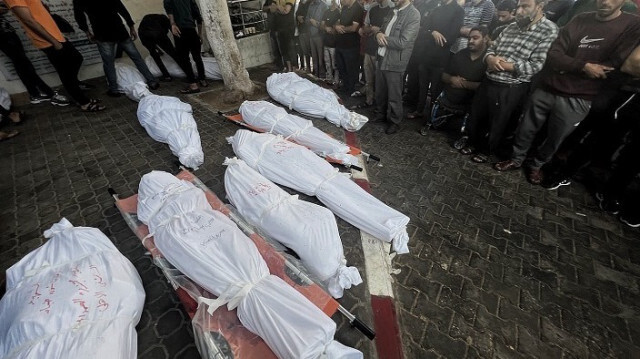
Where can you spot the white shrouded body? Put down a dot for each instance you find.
(305, 227)
(211, 67)
(312, 100)
(296, 167)
(273, 119)
(5, 99)
(169, 120)
(210, 249)
(131, 82)
(74, 297)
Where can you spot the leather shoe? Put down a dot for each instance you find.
(507, 165)
(391, 129)
(535, 176)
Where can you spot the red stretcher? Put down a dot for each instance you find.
(221, 335)
(236, 118)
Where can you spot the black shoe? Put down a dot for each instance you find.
(392, 128)
(111, 93)
(39, 99)
(154, 85)
(424, 131)
(609, 205)
(85, 86)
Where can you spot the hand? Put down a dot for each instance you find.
(382, 39)
(133, 33)
(596, 71)
(340, 29)
(273, 8)
(493, 63)
(439, 38)
(90, 36)
(457, 82)
(57, 45)
(175, 30)
(313, 22)
(300, 19)
(329, 30)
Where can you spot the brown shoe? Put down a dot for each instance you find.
(535, 176)
(507, 165)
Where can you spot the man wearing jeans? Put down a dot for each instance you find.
(589, 47)
(46, 36)
(108, 31)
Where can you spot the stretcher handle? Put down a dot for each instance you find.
(374, 157)
(357, 323)
(357, 168)
(112, 192)
(363, 328)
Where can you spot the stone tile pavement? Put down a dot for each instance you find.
(498, 268)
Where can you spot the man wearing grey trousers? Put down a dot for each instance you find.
(586, 50)
(313, 20)
(395, 41)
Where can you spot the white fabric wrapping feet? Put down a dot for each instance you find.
(210, 249)
(74, 297)
(169, 120)
(273, 119)
(5, 99)
(211, 67)
(312, 100)
(296, 167)
(129, 81)
(305, 227)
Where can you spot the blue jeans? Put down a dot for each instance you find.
(108, 53)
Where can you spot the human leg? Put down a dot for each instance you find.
(182, 53)
(11, 45)
(130, 48)
(151, 44)
(194, 48)
(107, 53)
(382, 95)
(66, 62)
(534, 117)
(370, 76)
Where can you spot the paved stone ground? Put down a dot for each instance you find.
(498, 268)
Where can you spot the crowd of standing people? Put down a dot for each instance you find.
(547, 86)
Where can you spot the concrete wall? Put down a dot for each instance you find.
(256, 50)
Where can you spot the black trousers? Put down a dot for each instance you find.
(189, 43)
(152, 41)
(495, 106)
(430, 82)
(67, 63)
(348, 61)
(11, 45)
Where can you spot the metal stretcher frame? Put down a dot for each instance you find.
(238, 341)
(237, 118)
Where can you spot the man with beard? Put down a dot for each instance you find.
(589, 47)
(461, 78)
(395, 41)
(512, 60)
(506, 10)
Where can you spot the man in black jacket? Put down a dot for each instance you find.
(108, 31)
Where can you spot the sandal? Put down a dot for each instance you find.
(21, 117)
(189, 90)
(92, 107)
(467, 150)
(7, 135)
(480, 158)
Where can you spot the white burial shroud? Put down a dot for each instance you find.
(5, 99)
(75, 296)
(210, 249)
(211, 67)
(312, 100)
(273, 119)
(169, 120)
(131, 81)
(296, 167)
(305, 227)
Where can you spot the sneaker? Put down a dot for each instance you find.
(59, 100)
(556, 184)
(39, 99)
(461, 143)
(630, 220)
(608, 205)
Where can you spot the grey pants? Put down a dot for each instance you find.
(563, 114)
(317, 55)
(389, 94)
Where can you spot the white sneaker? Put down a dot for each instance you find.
(59, 100)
